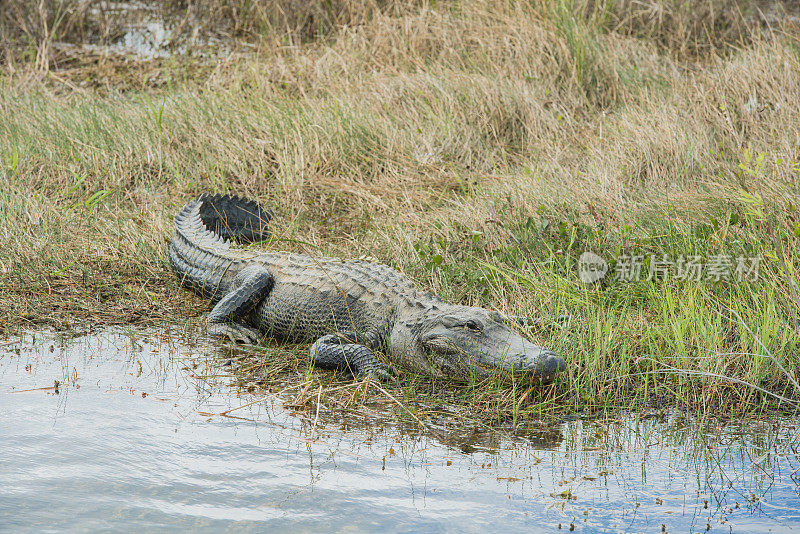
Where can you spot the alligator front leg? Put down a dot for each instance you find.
(251, 286)
(339, 350)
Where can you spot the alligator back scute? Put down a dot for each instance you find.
(234, 218)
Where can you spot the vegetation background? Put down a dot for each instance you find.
(478, 146)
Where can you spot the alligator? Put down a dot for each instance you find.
(347, 310)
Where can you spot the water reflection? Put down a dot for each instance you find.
(131, 440)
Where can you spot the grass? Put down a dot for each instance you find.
(479, 147)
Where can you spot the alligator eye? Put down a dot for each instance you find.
(473, 326)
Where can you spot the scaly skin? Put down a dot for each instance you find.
(346, 309)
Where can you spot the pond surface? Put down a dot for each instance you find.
(130, 441)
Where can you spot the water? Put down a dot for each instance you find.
(130, 442)
(146, 31)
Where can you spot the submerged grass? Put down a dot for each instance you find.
(479, 147)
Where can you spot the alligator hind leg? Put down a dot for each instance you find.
(251, 286)
(338, 350)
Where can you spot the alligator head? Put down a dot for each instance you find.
(461, 341)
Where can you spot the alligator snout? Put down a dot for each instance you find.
(530, 359)
(546, 364)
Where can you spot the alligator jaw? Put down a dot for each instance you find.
(460, 342)
(526, 360)
(544, 366)
(534, 359)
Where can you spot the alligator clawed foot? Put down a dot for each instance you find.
(372, 367)
(380, 374)
(237, 333)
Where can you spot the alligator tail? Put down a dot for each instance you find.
(204, 230)
(234, 218)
